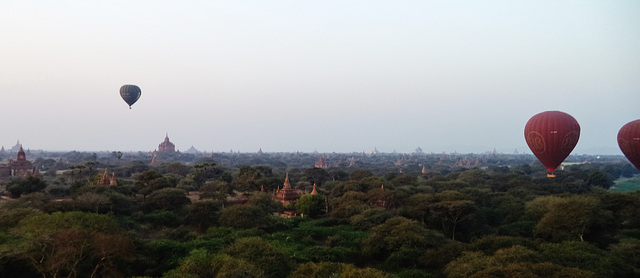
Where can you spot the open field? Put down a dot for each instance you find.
(626, 184)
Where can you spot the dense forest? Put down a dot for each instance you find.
(376, 215)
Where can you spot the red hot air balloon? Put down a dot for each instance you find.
(629, 142)
(551, 136)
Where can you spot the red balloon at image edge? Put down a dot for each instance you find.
(629, 142)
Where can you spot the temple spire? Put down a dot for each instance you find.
(287, 184)
(314, 192)
(21, 154)
(113, 181)
(104, 180)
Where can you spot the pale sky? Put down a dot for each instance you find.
(331, 76)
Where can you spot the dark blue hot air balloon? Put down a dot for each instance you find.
(130, 94)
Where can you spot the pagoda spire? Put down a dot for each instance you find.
(287, 184)
(21, 154)
(104, 180)
(314, 192)
(113, 181)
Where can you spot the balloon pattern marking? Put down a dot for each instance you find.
(536, 142)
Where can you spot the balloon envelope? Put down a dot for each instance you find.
(629, 142)
(551, 136)
(130, 94)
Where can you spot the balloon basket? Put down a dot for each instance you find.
(551, 176)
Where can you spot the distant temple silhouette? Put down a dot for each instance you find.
(16, 148)
(321, 164)
(20, 167)
(166, 146)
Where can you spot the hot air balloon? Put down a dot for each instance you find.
(130, 94)
(551, 136)
(629, 142)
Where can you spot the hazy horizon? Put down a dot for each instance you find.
(464, 150)
(306, 76)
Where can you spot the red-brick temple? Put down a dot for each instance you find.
(108, 180)
(166, 146)
(287, 195)
(21, 167)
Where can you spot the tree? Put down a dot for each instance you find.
(216, 190)
(370, 218)
(532, 270)
(316, 175)
(417, 206)
(11, 217)
(625, 257)
(565, 218)
(149, 181)
(578, 254)
(31, 184)
(437, 258)
(203, 214)
(204, 171)
(93, 202)
(248, 179)
(492, 243)
(202, 264)
(73, 244)
(243, 217)
(339, 175)
(453, 212)
(350, 204)
(600, 179)
(274, 262)
(385, 198)
(38, 200)
(329, 269)
(264, 202)
(359, 174)
(515, 261)
(311, 205)
(400, 233)
(177, 168)
(167, 199)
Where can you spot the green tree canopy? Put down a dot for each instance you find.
(274, 262)
(311, 205)
(243, 217)
(329, 269)
(203, 214)
(202, 264)
(564, 218)
(149, 181)
(74, 244)
(167, 199)
(31, 184)
(400, 233)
